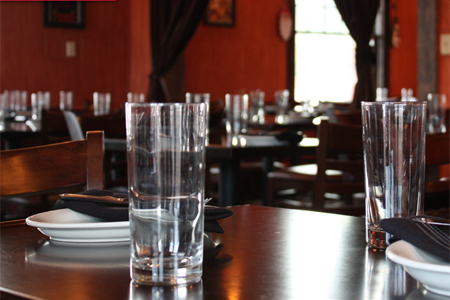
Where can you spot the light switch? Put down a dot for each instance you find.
(71, 49)
(445, 44)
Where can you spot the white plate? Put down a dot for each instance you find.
(431, 271)
(66, 225)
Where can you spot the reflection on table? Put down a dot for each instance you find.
(268, 253)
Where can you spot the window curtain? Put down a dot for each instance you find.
(359, 16)
(172, 25)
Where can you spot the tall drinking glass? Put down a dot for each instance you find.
(394, 157)
(236, 108)
(201, 98)
(166, 171)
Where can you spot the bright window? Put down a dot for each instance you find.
(324, 53)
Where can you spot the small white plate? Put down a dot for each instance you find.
(431, 271)
(66, 225)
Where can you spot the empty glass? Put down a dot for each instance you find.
(394, 159)
(437, 104)
(236, 109)
(102, 103)
(36, 106)
(65, 100)
(201, 98)
(282, 102)
(257, 113)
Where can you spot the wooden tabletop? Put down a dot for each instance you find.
(268, 253)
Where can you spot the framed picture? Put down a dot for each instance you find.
(220, 13)
(64, 14)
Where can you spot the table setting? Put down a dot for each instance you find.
(394, 152)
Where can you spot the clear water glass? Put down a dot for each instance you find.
(166, 171)
(394, 158)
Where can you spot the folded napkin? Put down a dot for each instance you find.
(112, 206)
(408, 230)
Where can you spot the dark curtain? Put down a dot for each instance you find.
(172, 25)
(359, 16)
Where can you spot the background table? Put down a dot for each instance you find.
(268, 253)
(229, 158)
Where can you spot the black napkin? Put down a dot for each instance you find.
(292, 137)
(93, 203)
(408, 230)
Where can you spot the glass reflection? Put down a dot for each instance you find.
(179, 292)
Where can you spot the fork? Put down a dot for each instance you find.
(434, 233)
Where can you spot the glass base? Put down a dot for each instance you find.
(148, 277)
(376, 238)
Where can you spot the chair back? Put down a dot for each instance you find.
(112, 125)
(52, 168)
(53, 127)
(75, 131)
(340, 149)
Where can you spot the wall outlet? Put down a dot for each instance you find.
(71, 49)
(445, 44)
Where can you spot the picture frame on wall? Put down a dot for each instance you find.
(69, 14)
(220, 13)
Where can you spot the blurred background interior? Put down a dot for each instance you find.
(306, 47)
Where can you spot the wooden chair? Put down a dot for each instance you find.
(50, 169)
(115, 162)
(335, 183)
(437, 185)
(53, 127)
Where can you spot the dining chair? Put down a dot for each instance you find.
(334, 183)
(49, 169)
(115, 162)
(53, 127)
(437, 168)
(73, 125)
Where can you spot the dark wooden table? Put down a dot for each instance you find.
(14, 133)
(230, 157)
(268, 253)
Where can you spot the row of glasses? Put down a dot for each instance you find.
(65, 100)
(102, 103)
(15, 101)
(135, 97)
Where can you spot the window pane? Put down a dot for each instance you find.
(324, 67)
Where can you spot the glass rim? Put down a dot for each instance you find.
(393, 103)
(165, 104)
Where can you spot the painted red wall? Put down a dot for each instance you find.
(33, 56)
(248, 56)
(403, 60)
(444, 60)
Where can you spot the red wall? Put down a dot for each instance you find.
(248, 56)
(444, 60)
(403, 60)
(114, 49)
(33, 56)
